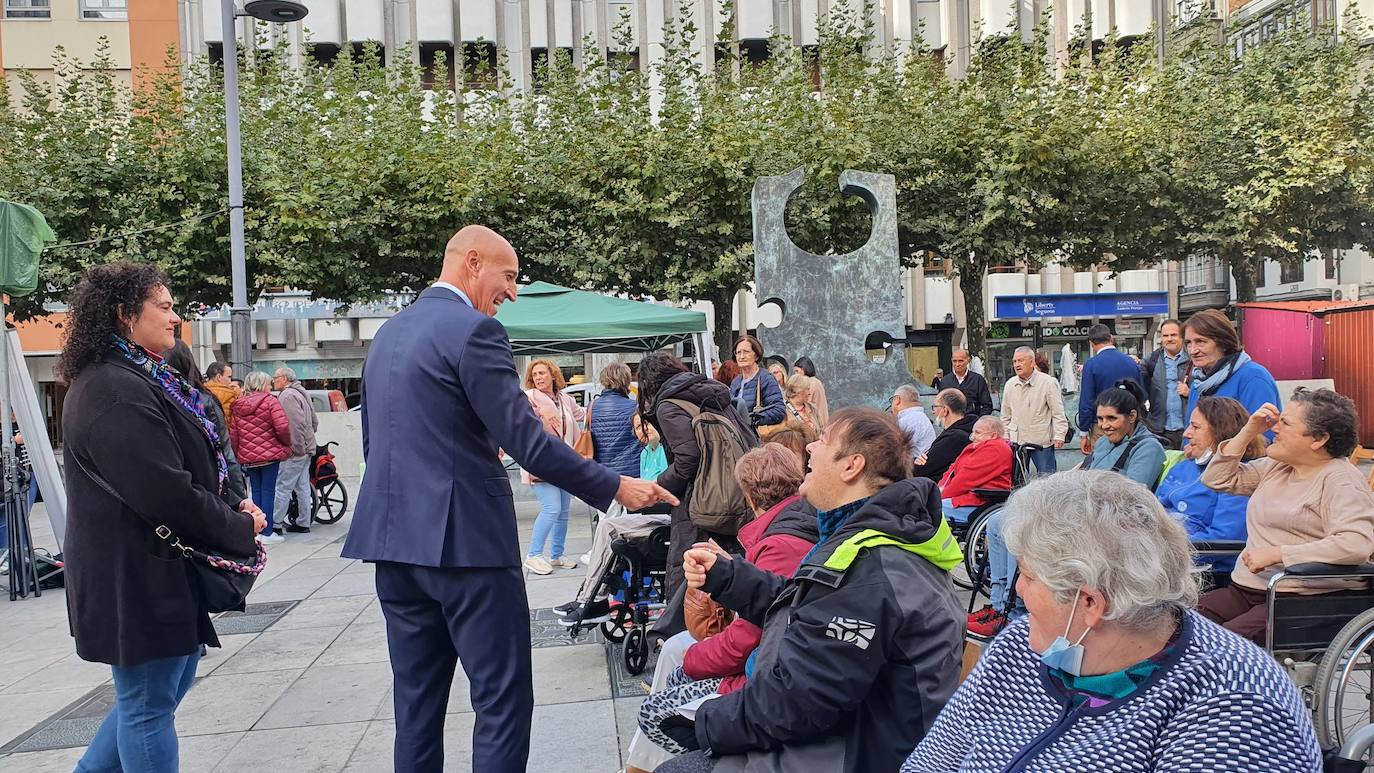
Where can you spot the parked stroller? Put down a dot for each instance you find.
(635, 583)
(330, 498)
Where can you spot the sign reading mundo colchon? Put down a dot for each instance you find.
(1081, 305)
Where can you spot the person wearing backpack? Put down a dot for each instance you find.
(687, 408)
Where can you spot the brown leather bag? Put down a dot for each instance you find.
(584, 446)
(705, 618)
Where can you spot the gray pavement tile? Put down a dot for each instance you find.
(626, 722)
(575, 734)
(69, 673)
(285, 589)
(226, 703)
(329, 695)
(25, 711)
(551, 593)
(570, 674)
(361, 642)
(319, 749)
(215, 657)
(322, 613)
(52, 761)
(25, 659)
(353, 584)
(279, 651)
(203, 752)
(374, 752)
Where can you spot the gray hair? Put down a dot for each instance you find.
(796, 384)
(288, 374)
(1097, 529)
(953, 399)
(616, 376)
(992, 424)
(1024, 350)
(257, 381)
(908, 394)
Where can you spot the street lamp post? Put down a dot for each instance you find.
(240, 313)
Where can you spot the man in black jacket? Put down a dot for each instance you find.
(951, 410)
(862, 647)
(974, 386)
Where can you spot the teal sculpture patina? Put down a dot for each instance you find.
(832, 303)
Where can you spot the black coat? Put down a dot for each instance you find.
(947, 446)
(975, 389)
(129, 598)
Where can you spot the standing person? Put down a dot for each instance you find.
(957, 429)
(1033, 410)
(261, 435)
(436, 513)
(761, 397)
(806, 367)
(294, 473)
(219, 381)
(911, 417)
(726, 372)
(139, 454)
(180, 359)
(973, 385)
(777, 368)
(1107, 366)
(560, 415)
(1221, 368)
(611, 422)
(1166, 371)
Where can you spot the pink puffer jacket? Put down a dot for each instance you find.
(259, 430)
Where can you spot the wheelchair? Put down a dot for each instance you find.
(972, 534)
(635, 582)
(329, 498)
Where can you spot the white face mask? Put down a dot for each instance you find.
(1065, 656)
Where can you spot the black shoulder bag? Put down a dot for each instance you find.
(220, 582)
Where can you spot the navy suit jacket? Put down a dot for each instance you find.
(440, 397)
(1100, 372)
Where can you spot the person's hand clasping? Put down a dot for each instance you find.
(921, 459)
(1183, 389)
(1087, 445)
(1259, 559)
(699, 559)
(253, 511)
(636, 494)
(1058, 444)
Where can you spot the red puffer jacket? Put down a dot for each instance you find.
(776, 541)
(980, 465)
(259, 429)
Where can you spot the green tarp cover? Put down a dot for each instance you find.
(23, 232)
(548, 319)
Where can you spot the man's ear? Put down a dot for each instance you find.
(854, 467)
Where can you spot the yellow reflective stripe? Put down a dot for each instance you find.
(941, 549)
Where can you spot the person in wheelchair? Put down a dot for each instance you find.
(784, 529)
(984, 463)
(1112, 669)
(1308, 504)
(1207, 514)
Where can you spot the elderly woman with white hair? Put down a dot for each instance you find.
(1112, 669)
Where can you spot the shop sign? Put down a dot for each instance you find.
(1078, 305)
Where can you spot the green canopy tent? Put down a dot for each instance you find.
(547, 319)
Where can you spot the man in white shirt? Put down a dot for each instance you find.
(911, 417)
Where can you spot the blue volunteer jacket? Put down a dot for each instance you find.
(1209, 515)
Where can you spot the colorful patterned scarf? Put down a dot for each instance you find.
(177, 388)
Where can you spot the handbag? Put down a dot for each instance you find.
(220, 582)
(584, 446)
(705, 618)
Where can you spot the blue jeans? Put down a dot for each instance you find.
(956, 514)
(1044, 460)
(262, 481)
(554, 504)
(138, 735)
(1001, 563)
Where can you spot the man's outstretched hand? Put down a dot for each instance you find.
(636, 494)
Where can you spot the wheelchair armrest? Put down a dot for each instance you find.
(1316, 569)
(992, 494)
(1220, 546)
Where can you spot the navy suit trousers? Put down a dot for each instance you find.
(435, 618)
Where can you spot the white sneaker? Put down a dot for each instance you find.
(586, 558)
(271, 539)
(563, 562)
(538, 565)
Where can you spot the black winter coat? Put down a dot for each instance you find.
(947, 446)
(975, 389)
(129, 597)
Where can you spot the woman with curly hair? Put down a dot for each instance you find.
(142, 458)
(562, 417)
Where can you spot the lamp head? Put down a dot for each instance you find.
(278, 11)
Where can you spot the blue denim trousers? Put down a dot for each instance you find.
(139, 735)
(262, 483)
(1044, 460)
(1001, 563)
(554, 504)
(956, 514)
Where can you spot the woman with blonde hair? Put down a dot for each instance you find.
(562, 417)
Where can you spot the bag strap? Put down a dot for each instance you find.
(1121, 461)
(758, 389)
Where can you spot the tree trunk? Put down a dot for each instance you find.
(971, 286)
(723, 301)
(1243, 271)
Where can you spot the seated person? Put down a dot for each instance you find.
(1207, 514)
(616, 524)
(1126, 447)
(862, 646)
(1308, 504)
(984, 463)
(784, 530)
(1112, 670)
(801, 413)
(951, 410)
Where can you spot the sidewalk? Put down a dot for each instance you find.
(302, 682)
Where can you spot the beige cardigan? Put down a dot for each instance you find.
(572, 413)
(1327, 518)
(1034, 412)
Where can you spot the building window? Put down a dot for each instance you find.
(105, 9)
(27, 9)
(1290, 272)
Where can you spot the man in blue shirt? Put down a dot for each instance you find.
(1107, 366)
(911, 417)
(1166, 368)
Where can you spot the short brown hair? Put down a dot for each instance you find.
(875, 436)
(1226, 417)
(793, 441)
(768, 475)
(557, 373)
(1212, 324)
(616, 376)
(753, 344)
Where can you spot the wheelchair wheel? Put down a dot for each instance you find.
(636, 651)
(331, 501)
(1343, 689)
(975, 555)
(614, 629)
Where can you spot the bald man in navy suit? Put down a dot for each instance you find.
(441, 397)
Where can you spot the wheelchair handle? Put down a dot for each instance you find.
(1358, 743)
